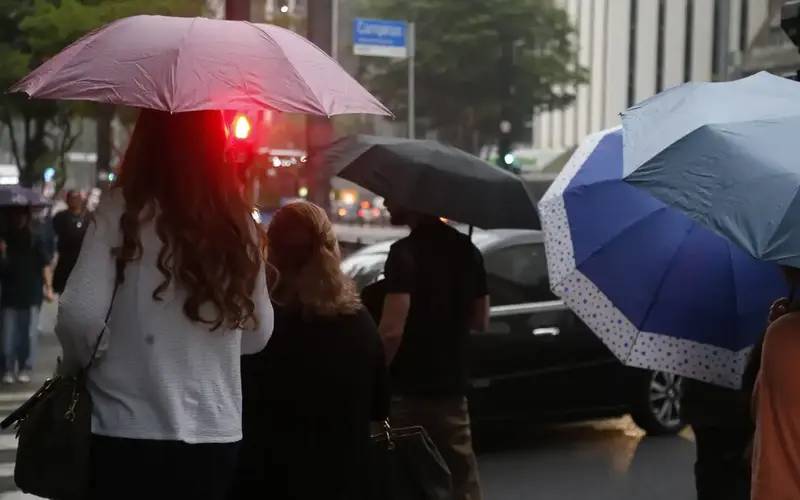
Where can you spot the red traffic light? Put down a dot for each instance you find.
(242, 128)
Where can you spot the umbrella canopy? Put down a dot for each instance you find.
(18, 196)
(180, 64)
(662, 291)
(726, 154)
(435, 179)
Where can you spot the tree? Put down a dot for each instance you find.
(479, 62)
(31, 32)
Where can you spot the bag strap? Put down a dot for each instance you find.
(117, 282)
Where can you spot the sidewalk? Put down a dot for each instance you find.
(16, 495)
(11, 396)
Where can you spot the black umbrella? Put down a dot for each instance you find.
(435, 179)
(18, 196)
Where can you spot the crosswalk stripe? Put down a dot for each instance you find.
(15, 397)
(8, 442)
(10, 401)
(7, 408)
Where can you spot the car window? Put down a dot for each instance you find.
(518, 274)
(364, 269)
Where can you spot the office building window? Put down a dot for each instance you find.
(662, 11)
(688, 49)
(634, 21)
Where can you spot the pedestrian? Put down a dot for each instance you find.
(178, 237)
(435, 294)
(776, 403)
(311, 394)
(720, 419)
(24, 279)
(69, 226)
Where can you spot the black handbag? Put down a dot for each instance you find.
(405, 465)
(54, 428)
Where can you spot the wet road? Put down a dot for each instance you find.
(604, 460)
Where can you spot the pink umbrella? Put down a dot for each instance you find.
(187, 64)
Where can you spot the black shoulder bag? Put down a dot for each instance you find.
(405, 465)
(54, 428)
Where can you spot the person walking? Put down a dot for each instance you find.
(436, 293)
(24, 280)
(776, 402)
(311, 394)
(723, 429)
(69, 227)
(174, 254)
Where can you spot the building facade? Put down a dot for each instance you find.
(634, 49)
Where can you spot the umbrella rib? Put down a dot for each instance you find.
(46, 78)
(620, 233)
(735, 290)
(291, 64)
(181, 46)
(771, 240)
(664, 276)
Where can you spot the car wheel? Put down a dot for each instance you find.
(657, 403)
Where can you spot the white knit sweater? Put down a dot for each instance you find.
(159, 375)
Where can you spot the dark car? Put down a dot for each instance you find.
(538, 361)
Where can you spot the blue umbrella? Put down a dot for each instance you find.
(727, 155)
(662, 291)
(18, 196)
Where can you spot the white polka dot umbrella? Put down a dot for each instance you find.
(661, 291)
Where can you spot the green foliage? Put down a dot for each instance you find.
(32, 31)
(461, 76)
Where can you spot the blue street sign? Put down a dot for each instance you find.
(380, 37)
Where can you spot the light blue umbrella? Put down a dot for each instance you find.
(662, 291)
(726, 154)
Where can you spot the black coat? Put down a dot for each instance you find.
(309, 398)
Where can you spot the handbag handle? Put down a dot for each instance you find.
(387, 430)
(117, 282)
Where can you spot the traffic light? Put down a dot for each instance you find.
(242, 128)
(505, 156)
(242, 131)
(242, 137)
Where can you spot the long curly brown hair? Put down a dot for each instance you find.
(306, 262)
(175, 173)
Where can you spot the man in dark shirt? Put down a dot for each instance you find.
(69, 226)
(435, 294)
(24, 258)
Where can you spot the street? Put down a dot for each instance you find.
(599, 460)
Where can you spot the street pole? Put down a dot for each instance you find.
(335, 29)
(237, 10)
(723, 40)
(506, 81)
(319, 130)
(412, 115)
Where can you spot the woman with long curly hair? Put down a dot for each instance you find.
(310, 395)
(176, 260)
